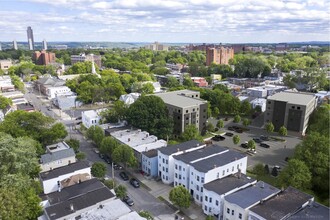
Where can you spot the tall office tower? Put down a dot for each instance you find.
(30, 38)
(14, 45)
(44, 44)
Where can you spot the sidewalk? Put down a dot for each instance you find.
(161, 191)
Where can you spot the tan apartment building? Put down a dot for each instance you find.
(219, 55)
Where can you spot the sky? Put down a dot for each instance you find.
(172, 21)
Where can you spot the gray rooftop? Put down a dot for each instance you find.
(78, 202)
(312, 211)
(293, 97)
(251, 195)
(57, 155)
(176, 98)
(151, 153)
(63, 170)
(200, 153)
(72, 191)
(171, 149)
(283, 205)
(229, 183)
(218, 160)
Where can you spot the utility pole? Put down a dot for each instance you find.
(113, 176)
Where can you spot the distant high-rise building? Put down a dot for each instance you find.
(44, 44)
(219, 55)
(83, 57)
(156, 47)
(14, 45)
(30, 38)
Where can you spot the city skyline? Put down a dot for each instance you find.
(195, 21)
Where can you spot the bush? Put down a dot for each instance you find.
(237, 118)
(269, 127)
(99, 169)
(259, 170)
(120, 191)
(246, 122)
(236, 139)
(110, 183)
(220, 124)
(80, 156)
(283, 131)
(210, 127)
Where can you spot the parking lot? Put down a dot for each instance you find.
(275, 155)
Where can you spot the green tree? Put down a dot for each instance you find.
(236, 139)
(110, 183)
(314, 152)
(246, 122)
(180, 196)
(99, 169)
(220, 123)
(4, 102)
(259, 170)
(146, 215)
(80, 156)
(210, 127)
(283, 131)
(296, 174)
(269, 127)
(172, 82)
(191, 133)
(237, 119)
(124, 154)
(120, 191)
(95, 134)
(74, 144)
(150, 113)
(251, 145)
(245, 108)
(209, 217)
(108, 145)
(33, 124)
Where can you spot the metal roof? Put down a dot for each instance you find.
(57, 155)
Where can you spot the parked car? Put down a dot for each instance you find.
(117, 166)
(229, 134)
(218, 138)
(264, 138)
(257, 140)
(135, 183)
(239, 130)
(231, 129)
(244, 145)
(264, 145)
(128, 201)
(124, 176)
(107, 159)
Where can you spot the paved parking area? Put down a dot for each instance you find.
(275, 155)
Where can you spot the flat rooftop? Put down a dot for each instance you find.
(206, 151)
(176, 98)
(57, 147)
(312, 211)
(296, 98)
(229, 183)
(218, 160)
(251, 195)
(63, 170)
(285, 203)
(57, 155)
(171, 149)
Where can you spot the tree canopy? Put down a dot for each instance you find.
(4, 102)
(99, 169)
(150, 113)
(180, 196)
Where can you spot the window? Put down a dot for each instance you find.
(232, 169)
(201, 189)
(180, 168)
(210, 199)
(163, 160)
(176, 175)
(232, 212)
(163, 168)
(166, 169)
(176, 166)
(183, 169)
(223, 173)
(192, 173)
(197, 187)
(197, 197)
(191, 182)
(186, 111)
(202, 179)
(193, 109)
(197, 178)
(205, 208)
(166, 161)
(227, 170)
(216, 202)
(179, 177)
(240, 216)
(166, 177)
(210, 209)
(292, 107)
(237, 166)
(175, 184)
(269, 102)
(206, 198)
(163, 177)
(228, 211)
(298, 107)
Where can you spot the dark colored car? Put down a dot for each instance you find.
(229, 134)
(231, 129)
(257, 140)
(239, 130)
(264, 138)
(218, 138)
(117, 166)
(135, 183)
(264, 145)
(128, 201)
(107, 159)
(123, 175)
(244, 145)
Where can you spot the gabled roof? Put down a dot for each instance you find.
(171, 149)
(252, 195)
(283, 205)
(63, 170)
(57, 155)
(79, 202)
(229, 183)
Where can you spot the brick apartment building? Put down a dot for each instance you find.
(43, 57)
(83, 58)
(219, 55)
